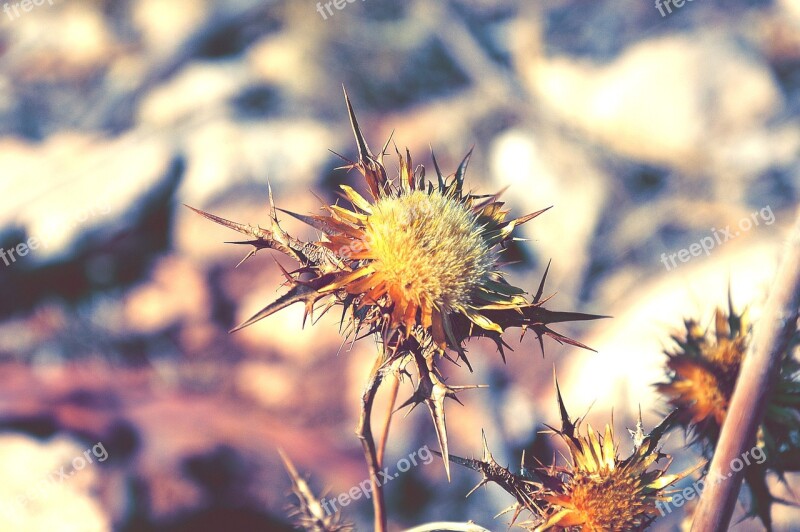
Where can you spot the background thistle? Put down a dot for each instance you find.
(595, 490)
(702, 374)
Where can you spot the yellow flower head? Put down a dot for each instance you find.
(596, 490)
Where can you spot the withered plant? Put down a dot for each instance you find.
(418, 265)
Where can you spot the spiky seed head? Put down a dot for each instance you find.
(701, 375)
(596, 490)
(416, 263)
(599, 491)
(703, 371)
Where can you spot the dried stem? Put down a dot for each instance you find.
(394, 387)
(364, 433)
(760, 370)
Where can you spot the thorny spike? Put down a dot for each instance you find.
(431, 391)
(370, 166)
(309, 512)
(316, 222)
(539, 291)
(439, 175)
(436, 406)
(462, 170)
(528, 217)
(487, 454)
(306, 292)
(567, 427)
(638, 434)
(363, 148)
(242, 228)
(272, 213)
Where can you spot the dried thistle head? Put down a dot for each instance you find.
(596, 490)
(417, 263)
(702, 372)
(308, 513)
(701, 375)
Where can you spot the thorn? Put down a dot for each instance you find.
(541, 283)
(363, 149)
(462, 169)
(272, 212)
(251, 253)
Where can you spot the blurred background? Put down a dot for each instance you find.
(646, 130)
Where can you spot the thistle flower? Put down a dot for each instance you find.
(701, 374)
(596, 490)
(417, 263)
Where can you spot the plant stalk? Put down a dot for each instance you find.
(757, 376)
(364, 433)
(393, 389)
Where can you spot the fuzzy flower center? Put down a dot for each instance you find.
(428, 247)
(611, 501)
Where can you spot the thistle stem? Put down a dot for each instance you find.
(760, 370)
(394, 387)
(364, 433)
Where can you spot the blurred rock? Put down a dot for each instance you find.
(283, 59)
(200, 87)
(164, 25)
(270, 385)
(63, 504)
(666, 100)
(222, 154)
(57, 196)
(53, 42)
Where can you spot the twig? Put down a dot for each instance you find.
(364, 433)
(394, 387)
(759, 371)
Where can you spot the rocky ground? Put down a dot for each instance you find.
(645, 133)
